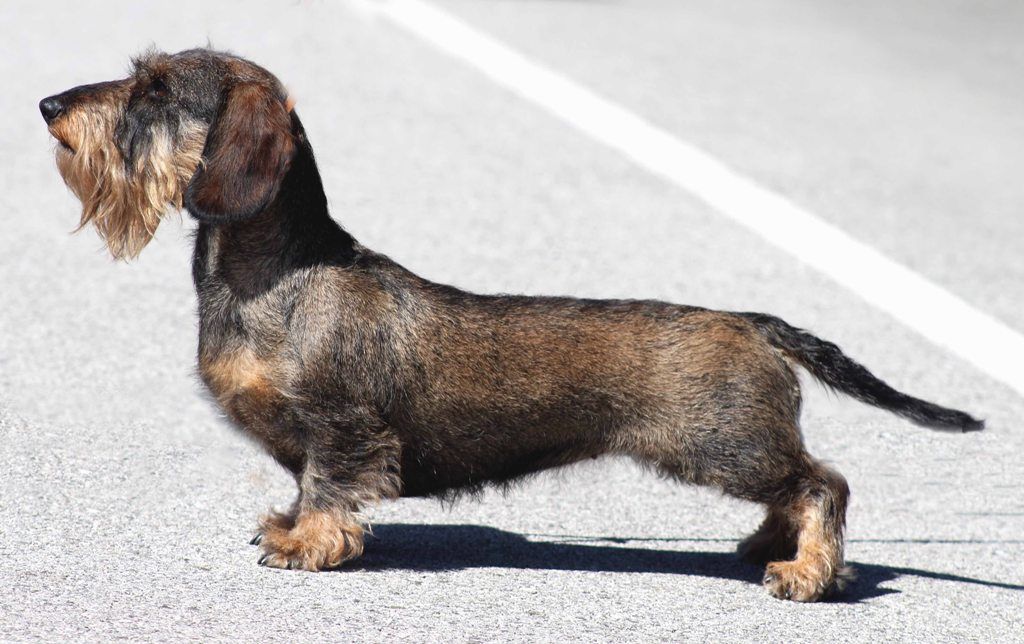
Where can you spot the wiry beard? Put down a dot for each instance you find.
(125, 204)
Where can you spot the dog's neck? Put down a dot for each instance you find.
(293, 232)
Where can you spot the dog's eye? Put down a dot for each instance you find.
(157, 89)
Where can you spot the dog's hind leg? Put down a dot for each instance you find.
(801, 539)
(813, 505)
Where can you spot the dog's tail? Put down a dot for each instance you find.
(826, 362)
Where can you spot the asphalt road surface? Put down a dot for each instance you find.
(127, 503)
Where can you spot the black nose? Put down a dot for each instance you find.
(51, 107)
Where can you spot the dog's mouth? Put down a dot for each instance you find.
(62, 145)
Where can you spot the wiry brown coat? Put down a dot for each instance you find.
(368, 382)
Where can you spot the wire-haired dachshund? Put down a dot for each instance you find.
(368, 382)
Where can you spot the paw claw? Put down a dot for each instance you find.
(255, 541)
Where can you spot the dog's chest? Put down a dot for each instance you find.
(243, 361)
(253, 390)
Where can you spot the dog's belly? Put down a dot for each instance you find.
(442, 459)
(438, 475)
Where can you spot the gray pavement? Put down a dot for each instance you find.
(126, 502)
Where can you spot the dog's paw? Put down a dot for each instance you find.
(797, 581)
(317, 541)
(803, 582)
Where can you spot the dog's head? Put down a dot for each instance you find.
(201, 129)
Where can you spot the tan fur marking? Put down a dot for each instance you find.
(318, 540)
(236, 373)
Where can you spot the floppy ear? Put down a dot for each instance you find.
(248, 150)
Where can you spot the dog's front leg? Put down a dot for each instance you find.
(352, 459)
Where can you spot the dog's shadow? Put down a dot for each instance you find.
(457, 547)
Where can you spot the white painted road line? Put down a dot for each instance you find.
(927, 308)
